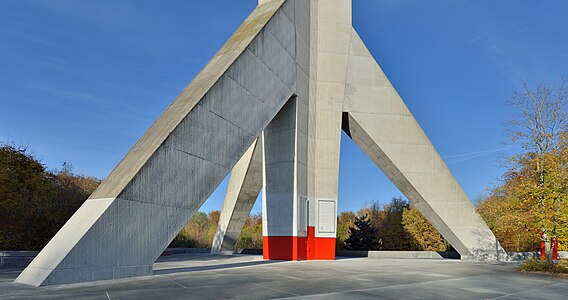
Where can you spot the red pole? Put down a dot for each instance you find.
(542, 251)
(555, 249)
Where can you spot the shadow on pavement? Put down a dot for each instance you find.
(214, 267)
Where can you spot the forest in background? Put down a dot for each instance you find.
(396, 226)
(35, 203)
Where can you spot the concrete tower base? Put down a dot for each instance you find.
(295, 73)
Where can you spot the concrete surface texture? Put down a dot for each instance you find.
(139, 208)
(284, 217)
(349, 91)
(296, 70)
(198, 276)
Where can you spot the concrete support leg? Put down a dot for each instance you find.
(331, 29)
(381, 124)
(144, 202)
(243, 189)
(284, 186)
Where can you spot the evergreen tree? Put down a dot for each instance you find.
(362, 235)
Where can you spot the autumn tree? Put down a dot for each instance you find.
(513, 225)
(423, 235)
(198, 232)
(535, 187)
(251, 235)
(345, 220)
(539, 127)
(541, 119)
(26, 192)
(398, 227)
(36, 203)
(541, 123)
(72, 191)
(389, 226)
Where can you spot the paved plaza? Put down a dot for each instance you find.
(204, 276)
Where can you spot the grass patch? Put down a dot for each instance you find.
(544, 267)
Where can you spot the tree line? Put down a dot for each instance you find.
(200, 231)
(395, 226)
(35, 202)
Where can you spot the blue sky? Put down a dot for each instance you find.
(81, 81)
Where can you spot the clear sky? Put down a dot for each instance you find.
(81, 81)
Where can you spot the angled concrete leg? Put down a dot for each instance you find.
(243, 189)
(381, 124)
(139, 208)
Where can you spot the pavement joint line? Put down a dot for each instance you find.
(215, 271)
(519, 292)
(18, 296)
(396, 285)
(275, 289)
(290, 277)
(312, 296)
(183, 286)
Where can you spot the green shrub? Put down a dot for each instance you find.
(535, 265)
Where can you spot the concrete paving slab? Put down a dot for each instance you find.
(205, 276)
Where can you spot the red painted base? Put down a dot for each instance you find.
(320, 248)
(298, 248)
(284, 248)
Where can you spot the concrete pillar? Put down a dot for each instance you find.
(242, 191)
(284, 201)
(331, 25)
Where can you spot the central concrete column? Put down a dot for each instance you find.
(331, 24)
(284, 201)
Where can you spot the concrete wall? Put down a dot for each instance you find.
(400, 254)
(16, 259)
